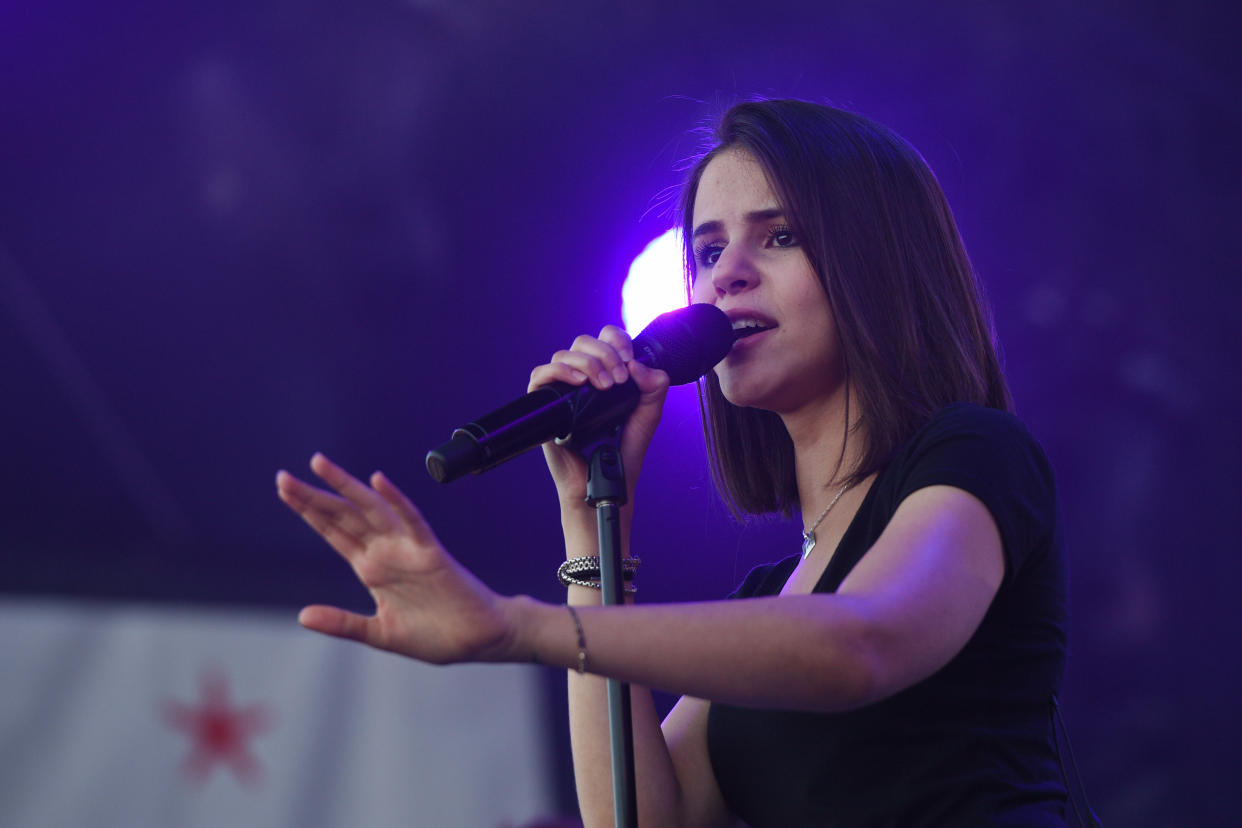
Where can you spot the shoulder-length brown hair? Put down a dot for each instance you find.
(915, 331)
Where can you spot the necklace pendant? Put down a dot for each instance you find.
(808, 535)
(808, 543)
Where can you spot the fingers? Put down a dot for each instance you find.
(349, 520)
(368, 502)
(619, 341)
(648, 379)
(602, 361)
(554, 372)
(405, 509)
(604, 358)
(335, 518)
(337, 623)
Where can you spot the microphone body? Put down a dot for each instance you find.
(685, 343)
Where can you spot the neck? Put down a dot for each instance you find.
(818, 433)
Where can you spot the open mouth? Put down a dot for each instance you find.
(743, 328)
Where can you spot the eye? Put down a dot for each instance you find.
(782, 236)
(707, 254)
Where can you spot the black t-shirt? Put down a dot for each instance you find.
(973, 743)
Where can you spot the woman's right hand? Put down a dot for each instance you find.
(602, 361)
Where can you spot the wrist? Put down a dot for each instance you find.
(578, 518)
(581, 530)
(520, 612)
(543, 633)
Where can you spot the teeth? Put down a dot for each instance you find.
(745, 327)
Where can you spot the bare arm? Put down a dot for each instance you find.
(430, 608)
(603, 361)
(655, 778)
(908, 607)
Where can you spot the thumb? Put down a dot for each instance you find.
(649, 380)
(336, 622)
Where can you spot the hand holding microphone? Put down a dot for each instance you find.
(685, 344)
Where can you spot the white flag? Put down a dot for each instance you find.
(139, 716)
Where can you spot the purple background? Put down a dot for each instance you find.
(233, 234)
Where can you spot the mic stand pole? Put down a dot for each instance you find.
(606, 493)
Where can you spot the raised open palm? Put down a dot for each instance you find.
(427, 605)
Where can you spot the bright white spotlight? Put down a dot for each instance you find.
(656, 282)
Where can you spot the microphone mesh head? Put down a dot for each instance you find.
(685, 343)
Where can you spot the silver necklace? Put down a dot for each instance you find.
(808, 535)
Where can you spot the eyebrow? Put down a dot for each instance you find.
(753, 217)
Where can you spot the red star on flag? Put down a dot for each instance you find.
(220, 732)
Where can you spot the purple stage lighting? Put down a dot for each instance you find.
(656, 282)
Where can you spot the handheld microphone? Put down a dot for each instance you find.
(685, 343)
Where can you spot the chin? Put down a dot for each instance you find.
(742, 394)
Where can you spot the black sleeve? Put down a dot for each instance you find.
(993, 456)
(766, 579)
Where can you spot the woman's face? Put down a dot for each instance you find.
(750, 264)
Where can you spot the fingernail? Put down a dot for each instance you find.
(577, 375)
(605, 379)
(620, 374)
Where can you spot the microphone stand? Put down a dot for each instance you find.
(606, 493)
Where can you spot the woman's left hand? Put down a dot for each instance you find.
(427, 606)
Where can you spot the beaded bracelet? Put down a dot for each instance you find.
(584, 572)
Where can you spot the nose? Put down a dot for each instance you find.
(733, 273)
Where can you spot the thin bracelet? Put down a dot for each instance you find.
(573, 613)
